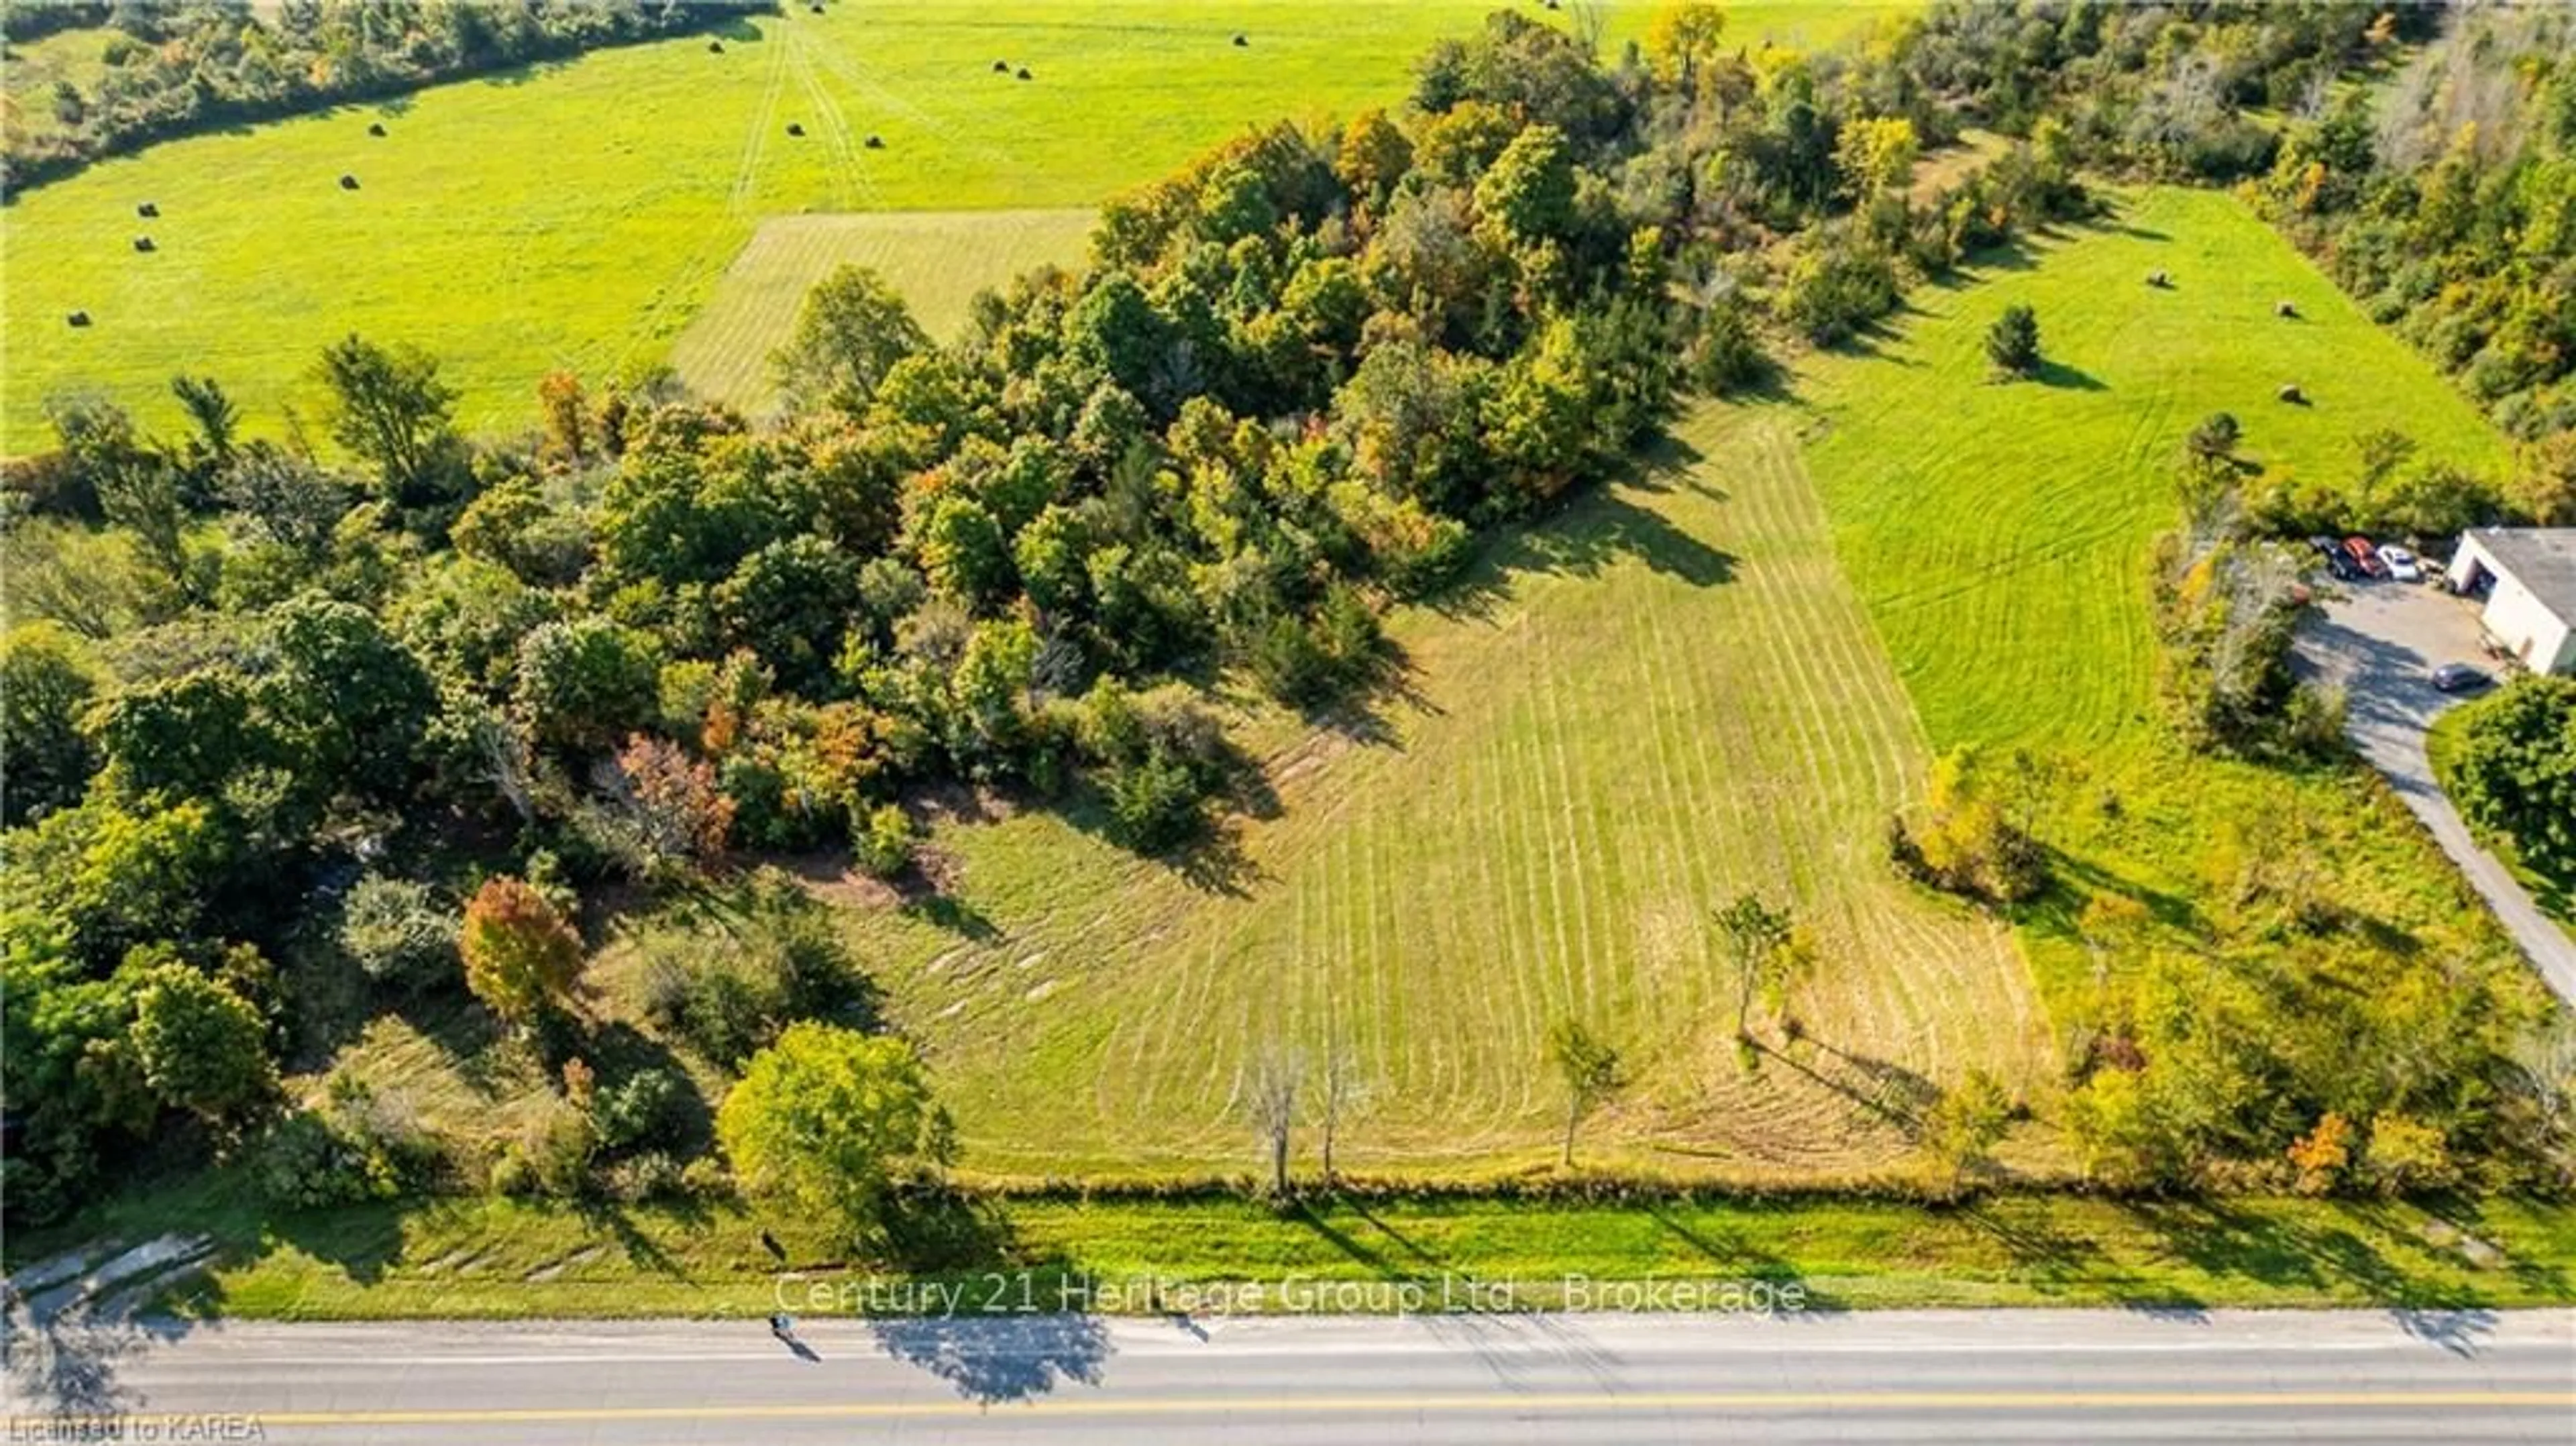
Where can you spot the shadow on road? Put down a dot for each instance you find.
(992, 1359)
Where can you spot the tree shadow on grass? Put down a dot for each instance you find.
(2059, 376)
(1602, 525)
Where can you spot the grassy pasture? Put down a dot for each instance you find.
(1999, 536)
(938, 260)
(578, 214)
(1663, 697)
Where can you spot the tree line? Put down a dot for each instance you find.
(177, 69)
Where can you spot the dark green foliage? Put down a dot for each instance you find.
(2514, 770)
(389, 407)
(2012, 343)
(587, 683)
(398, 933)
(45, 758)
(641, 1111)
(852, 331)
(729, 986)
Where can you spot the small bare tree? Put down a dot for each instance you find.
(1591, 1070)
(1273, 1106)
(1342, 1093)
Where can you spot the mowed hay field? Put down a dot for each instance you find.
(2000, 531)
(2000, 536)
(1660, 699)
(1722, 675)
(577, 215)
(937, 260)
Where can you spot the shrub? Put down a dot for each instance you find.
(304, 1163)
(651, 1175)
(2012, 343)
(396, 932)
(728, 989)
(520, 955)
(2321, 1154)
(2407, 1154)
(882, 842)
(642, 1109)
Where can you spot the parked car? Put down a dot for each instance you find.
(2459, 678)
(2401, 563)
(2336, 562)
(2357, 547)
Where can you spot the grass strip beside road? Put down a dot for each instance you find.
(500, 1259)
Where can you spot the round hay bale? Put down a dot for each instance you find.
(715, 47)
(1241, 41)
(77, 318)
(816, 7)
(1024, 73)
(376, 129)
(1001, 67)
(348, 183)
(2159, 280)
(795, 129)
(2285, 309)
(147, 210)
(876, 143)
(2290, 393)
(143, 243)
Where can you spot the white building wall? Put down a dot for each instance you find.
(2533, 633)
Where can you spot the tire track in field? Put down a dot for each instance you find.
(835, 126)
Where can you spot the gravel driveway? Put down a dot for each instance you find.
(2379, 641)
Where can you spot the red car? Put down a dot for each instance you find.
(2364, 556)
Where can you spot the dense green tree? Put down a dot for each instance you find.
(349, 702)
(851, 331)
(586, 683)
(788, 603)
(202, 1047)
(2012, 343)
(46, 685)
(1529, 189)
(184, 737)
(388, 406)
(2514, 770)
(828, 1121)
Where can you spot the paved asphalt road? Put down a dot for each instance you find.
(2381, 640)
(2057, 1376)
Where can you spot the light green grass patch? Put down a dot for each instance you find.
(2000, 535)
(937, 261)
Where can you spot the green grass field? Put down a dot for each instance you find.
(578, 215)
(1999, 535)
(1693, 684)
(1662, 698)
(938, 260)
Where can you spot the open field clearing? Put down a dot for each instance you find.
(938, 260)
(578, 215)
(2000, 532)
(2000, 536)
(1658, 700)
